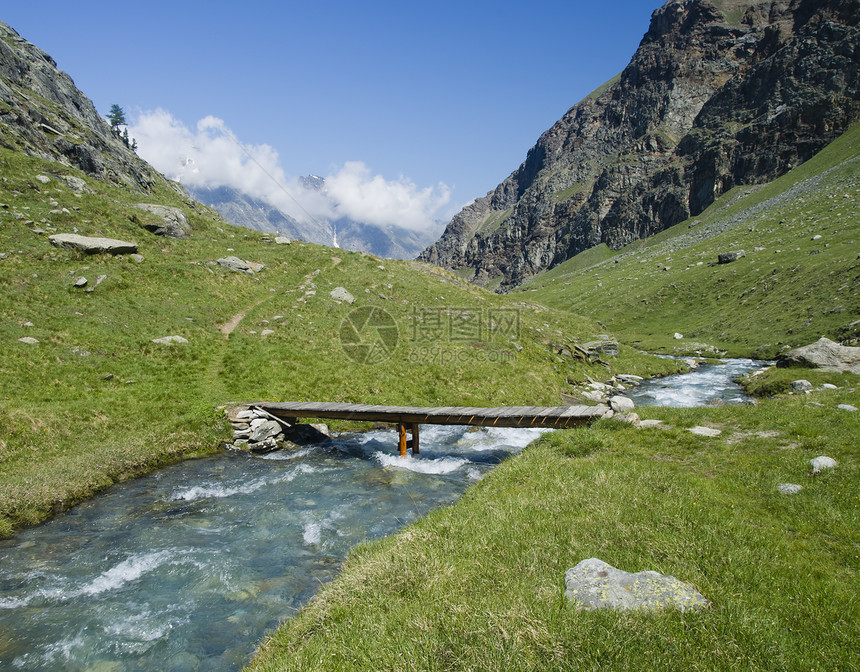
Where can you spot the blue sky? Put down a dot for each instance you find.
(441, 100)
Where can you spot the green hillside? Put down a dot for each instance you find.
(799, 280)
(96, 401)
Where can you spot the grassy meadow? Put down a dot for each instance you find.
(799, 280)
(95, 401)
(479, 585)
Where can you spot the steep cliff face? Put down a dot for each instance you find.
(43, 114)
(720, 93)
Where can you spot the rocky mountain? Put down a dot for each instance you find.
(43, 114)
(720, 93)
(243, 210)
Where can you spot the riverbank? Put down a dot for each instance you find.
(479, 585)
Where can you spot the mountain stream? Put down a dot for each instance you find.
(188, 568)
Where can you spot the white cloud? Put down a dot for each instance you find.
(211, 156)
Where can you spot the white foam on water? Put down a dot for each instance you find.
(696, 388)
(128, 571)
(15, 602)
(493, 438)
(62, 651)
(140, 631)
(221, 491)
(283, 455)
(312, 533)
(421, 465)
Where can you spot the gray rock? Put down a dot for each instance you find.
(648, 424)
(99, 280)
(632, 418)
(729, 257)
(282, 240)
(704, 431)
(801, 385)
(341, 294)
(236, 264)
(824, 354)
(821, 463)
(44, 179)
(594, 584)
(77, 185)
(847, 407)
(91, 245)
(29, 340)
(267, 332)
(320, 427)
(266, 430)
(608, 348)
(137, 258)
(789, 488)
(828, 386)
(266, 445)
(174, 224)
(81, 282)
(249, 414)
(621, 404)
(170, 340)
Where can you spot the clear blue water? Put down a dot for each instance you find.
(187, 569)
(710, 383)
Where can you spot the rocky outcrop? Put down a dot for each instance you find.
(43, 114)
(92, 245)
(824, 354)
(720, 93)
(170, 223)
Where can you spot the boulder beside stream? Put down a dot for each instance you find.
(824, 354)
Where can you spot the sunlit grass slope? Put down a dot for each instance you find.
(799, 280)
(96, 401)
(479, 585)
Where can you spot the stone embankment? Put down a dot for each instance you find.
(256, 431)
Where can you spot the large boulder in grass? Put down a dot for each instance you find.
(92, 245)
(594, 584)
(240, 265)
(173, 222)
(824, 354)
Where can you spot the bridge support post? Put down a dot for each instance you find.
(401, 432)
(406, 444)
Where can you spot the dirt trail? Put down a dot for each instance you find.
(228, 327)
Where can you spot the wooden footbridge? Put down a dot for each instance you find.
(411, 417)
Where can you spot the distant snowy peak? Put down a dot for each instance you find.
(313, 183)
(241, 209)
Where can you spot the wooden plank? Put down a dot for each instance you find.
(504, 416)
